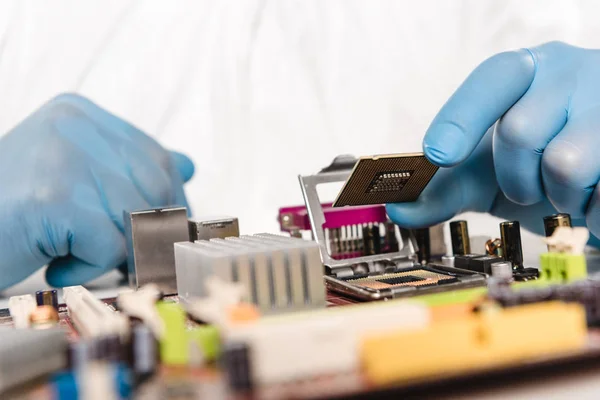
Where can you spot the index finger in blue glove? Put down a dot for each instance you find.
(470, 186)
(491, 89)
(184, 165)
(123, 129)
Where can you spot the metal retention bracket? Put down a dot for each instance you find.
(308, 184)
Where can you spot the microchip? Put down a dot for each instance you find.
(393, 178)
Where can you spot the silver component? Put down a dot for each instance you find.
(279, 273)
(211, 228)
(150, 237)
(260, 261)
(27, 354)
(310, 273)
(316, 216)
(502, 270)
(437, 243)
(242, 265)
(448, 261)
(280, 292)
(195, 263)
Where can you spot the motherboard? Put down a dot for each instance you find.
(341, 303)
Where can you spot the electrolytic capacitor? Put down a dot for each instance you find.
(237, 366)
(512, 250)
(424, 243)
(372, 240)
(390, 237)
(448, 261)
(551, 222)
(143, 352)
(502, 270)
(47, 298)
(459, 232)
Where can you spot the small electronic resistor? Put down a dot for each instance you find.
(237, 365)
(47, 298)
(459, 233)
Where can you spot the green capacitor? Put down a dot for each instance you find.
(208, 340)
(173, 345)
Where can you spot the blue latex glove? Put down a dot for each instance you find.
(66, 174)
(520, 139)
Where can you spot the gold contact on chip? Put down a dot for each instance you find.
(392, 178)
(409, 278)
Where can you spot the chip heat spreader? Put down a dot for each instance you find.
(392, 178)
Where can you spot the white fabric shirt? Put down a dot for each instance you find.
(256, 92)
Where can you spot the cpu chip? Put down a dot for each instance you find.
(393, 178)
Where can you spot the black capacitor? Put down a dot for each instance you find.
(235, 357)
(512, 250)
(390, 237)
(143, 353)
(78, 354)
(551, 222)
(424, 244)
(459, 232)
(47, 298)
(371, 240)
(110, 348)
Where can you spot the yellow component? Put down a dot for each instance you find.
(451, 311)
(409, 355)
(533, 330)
(475, 341)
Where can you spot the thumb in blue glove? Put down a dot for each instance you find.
(67, 172)
(518, 140)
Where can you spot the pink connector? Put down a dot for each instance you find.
(294, 219)
(350, 232)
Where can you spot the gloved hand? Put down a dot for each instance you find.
(67, 172)
(520, 139)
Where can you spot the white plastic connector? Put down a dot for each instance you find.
(221, 295)
(306, 345)
(20, 308)
(142, 304)
(92, 317)
(568, 240)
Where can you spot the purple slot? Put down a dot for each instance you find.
(296, 217)
(346, 216)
